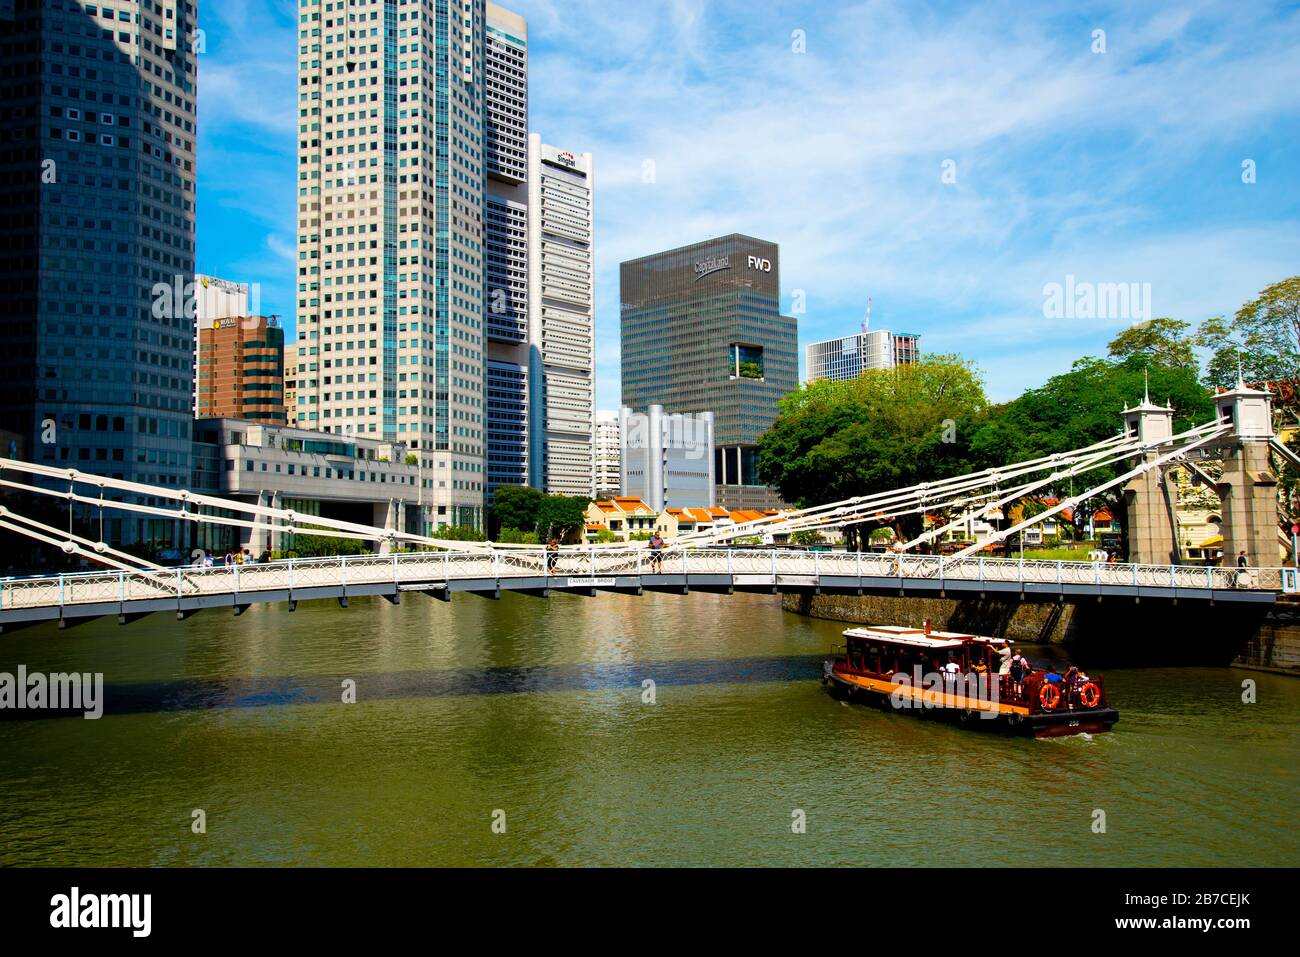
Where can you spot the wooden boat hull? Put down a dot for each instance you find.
(969, 713)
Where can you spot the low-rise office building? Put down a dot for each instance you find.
(360, 480)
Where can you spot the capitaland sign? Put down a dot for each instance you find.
(706, 267)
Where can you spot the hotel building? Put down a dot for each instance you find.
(241, 370)
(702, 331)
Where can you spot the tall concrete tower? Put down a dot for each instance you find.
(391, 168)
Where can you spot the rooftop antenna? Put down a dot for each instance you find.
(867, 321)
(1146, 384)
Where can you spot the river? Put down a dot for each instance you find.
(519, 732)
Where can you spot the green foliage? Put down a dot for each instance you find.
(459, 533)
(885, 430)
(513, 536)
(1264, 337)
(808, 536)
(320, 546)
(1164, 342)
(751, 370)
(1083, 406)
(412, 458)
(560, 516)
(605, 536)
(640, 536)
(515, 506)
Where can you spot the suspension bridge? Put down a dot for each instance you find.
(1140, 458)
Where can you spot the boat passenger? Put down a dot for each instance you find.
(1017, 673)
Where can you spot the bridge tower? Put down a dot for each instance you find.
(1248, 488)
(1152, 497)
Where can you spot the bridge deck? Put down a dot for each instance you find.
(80, 597)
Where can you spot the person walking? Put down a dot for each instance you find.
(657, 552)
(552, 555)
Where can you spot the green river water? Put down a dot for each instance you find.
(535, 708)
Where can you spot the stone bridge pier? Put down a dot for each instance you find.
(1247, 488)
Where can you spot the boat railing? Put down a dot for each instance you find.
(1032, 686)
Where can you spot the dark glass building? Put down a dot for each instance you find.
(97, 155)
(702, 331)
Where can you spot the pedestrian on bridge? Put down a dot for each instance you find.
(552, 555)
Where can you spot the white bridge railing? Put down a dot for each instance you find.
(574, 568)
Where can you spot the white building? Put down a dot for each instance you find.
(391, 167)
(561, 318)
(667, 460)
(849, 357)
(606, 457)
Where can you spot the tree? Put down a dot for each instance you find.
(1163, 342)
(560, 516)
(887, 429)
(1264, 337)
(1083, 406)
(515, 506)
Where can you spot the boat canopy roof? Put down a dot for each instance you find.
(917, 637)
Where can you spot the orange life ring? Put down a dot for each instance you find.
(1090, 695)
(1049, 697)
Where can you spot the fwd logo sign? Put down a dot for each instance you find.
(762, 265)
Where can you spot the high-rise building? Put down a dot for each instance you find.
(561, 318)
(606, 456)
(505, 243)
(241, 370)
(539, 285)
(667, 460)
(702, 331)
(391, 166)
(850, 356)
(97, 173)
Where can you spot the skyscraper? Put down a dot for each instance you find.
(505, 222)
(97, 172)
(850, 356)
(561, 318)
(391, 159)
(539, 296)
(702, 331)
(606, 456)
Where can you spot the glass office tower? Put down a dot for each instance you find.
(702, 331)
(97, 172)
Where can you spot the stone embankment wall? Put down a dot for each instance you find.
(1112, 632)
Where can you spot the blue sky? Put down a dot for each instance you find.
(1122, 166)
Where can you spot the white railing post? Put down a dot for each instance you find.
(1060, 568)
(446, 566)
(394, 569)
(496, 565)
(61, 594)
(1209, 577)
(343, 570)
(234, 568)
(774, 565)
(730, 567)
(121, 586)
(1173, 576)
(291, 576)
(981, 561)
(859, 564)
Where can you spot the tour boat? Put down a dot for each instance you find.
(955, 676)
